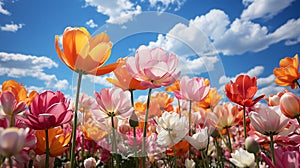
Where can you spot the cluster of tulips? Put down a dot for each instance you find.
(187, 125)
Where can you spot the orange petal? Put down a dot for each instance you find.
(105, 69)
(61, 55)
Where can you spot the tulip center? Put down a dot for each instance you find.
(111, 114)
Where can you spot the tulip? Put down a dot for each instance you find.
(242, 158)
(153, 67)
(199, 140)
(58, 141)
(290, 105)
(170, 128)
(13, 140)
(242, 92)
(47, 110)
(89, 162)
(211, 100)
(189, 163)
(10, 106)
(19, 91)
(124, 80)
(269, 121)
(85, 55)
(193, 89)
(287, 74)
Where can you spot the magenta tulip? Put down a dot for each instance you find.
(47, 110)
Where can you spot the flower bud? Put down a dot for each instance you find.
(133, 121)
(290, 105)
(89, 162)
(251, 145)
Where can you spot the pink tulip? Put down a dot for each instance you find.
(268, 120)
(10, 105)
(13, 140)
(47, 110)
(153, 67)
(192, 89)
(285, 157)
(290, 105)
(113, 102)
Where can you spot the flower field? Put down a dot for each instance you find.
(186, 125)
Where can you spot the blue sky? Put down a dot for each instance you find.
(216, 39)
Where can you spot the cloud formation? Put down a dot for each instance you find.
(12, 27)
(266, 9)
(162, 5)
(2, 10)
(20, 65)
(91, 23)
(118, 11)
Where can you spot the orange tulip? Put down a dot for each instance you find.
(175, 86)
(211, 100)
(159, 103)
(58, 141)
(18, 90)
(287, 74)
(180, 148)
(83, 53)
(124, 79)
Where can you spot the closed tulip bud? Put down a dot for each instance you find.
(290, 105)
(124, 128)
(133, 121)
(251, 145)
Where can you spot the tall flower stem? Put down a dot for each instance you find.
(47, 148)
(173, 147)
(72, 160)
(219, 155)
(244, 121)
(204, 159)
(190, 127)
(256, 160)
(145, 129)
(134, 131)
(272, 149)
(179, 108)
(10, 162)
(114, 142)
(229, 141)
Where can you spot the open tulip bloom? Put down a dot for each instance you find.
(200, 129)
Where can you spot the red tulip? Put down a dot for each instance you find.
(243, 90)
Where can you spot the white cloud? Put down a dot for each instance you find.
(263, 8)
(12, 27)
(198, 65)
(91, 23)
(266, 81)
(229, 38)
(20, 65)
(2, 10)
(118, 11)
(142, 98)
(162, 5)
(100, 80)
(256, 71)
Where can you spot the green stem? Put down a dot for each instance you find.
(204, 159)
(114, 145)
(132, 97)
(272, 149)
(145, 129)
(10, 162)
(219, 155)
(72, 160)
(229, 141)
(173, 148)
(179, 108)
(244, 121)
(12, 120)
(47, 149)
(256, 160)
(190, 127)
(134, 141)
